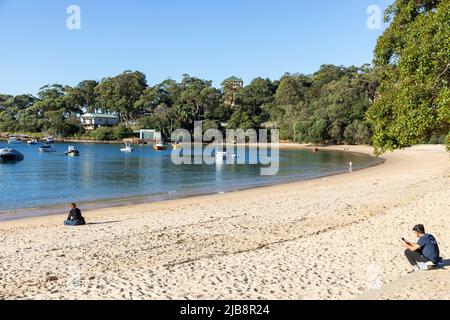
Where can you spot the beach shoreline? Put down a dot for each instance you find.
(329, 238)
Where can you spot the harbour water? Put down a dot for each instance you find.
(104, 175)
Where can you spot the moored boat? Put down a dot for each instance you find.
(160, 146)
(10, 155)
(72, 152)
(14, 140)
(32, 142)
(127, 148)
(50, 140)
(47, 148)
(222, 155)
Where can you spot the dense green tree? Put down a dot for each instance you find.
(120, 95)
(319, 108)
(358, 132)
(241, 120)
(413, 56)
(85, 93)
(291, 89)
(20, 102)
(165, 93)
(313, 130)
(4, 98)
(259, 93)
(198, 96)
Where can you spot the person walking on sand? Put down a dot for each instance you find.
(75, 218)
(425, 254)
(350, 166)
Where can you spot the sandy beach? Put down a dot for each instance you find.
(333, 238)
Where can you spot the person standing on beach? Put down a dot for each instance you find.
(350, 166)
(75, 218)
(425, 254)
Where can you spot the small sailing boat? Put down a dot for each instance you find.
(222, 156)
(72, 152)
(127, 147)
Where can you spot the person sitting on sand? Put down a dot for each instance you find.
(425, 254)
(75, 218)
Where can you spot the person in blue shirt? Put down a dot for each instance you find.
(425, 254)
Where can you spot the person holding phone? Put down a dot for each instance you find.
(424, 254)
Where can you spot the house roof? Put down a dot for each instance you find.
(232, 79)
(100, 115)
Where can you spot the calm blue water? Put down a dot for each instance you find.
(104, 173)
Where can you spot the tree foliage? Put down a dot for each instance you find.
(413, 56)
(327, 106)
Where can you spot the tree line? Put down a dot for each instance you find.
(328, 106)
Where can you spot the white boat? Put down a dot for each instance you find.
(49, 140)
(14, 140)
(72, 152)
(32, 142)
(221, 156)
(127, 148)
(10, 155)
(47, 148)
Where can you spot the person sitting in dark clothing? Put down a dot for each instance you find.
(425, 254)
(75, 218)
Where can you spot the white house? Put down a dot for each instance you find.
(92, 121)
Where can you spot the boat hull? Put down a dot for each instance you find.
(46, 150)
(72, 154)
(10, 156)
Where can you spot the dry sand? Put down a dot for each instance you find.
(334, 238)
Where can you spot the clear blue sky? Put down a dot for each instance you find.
(211, 39)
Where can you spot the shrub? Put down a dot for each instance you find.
(103, 134)
(121, 132)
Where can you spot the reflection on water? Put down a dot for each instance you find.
(103, 172)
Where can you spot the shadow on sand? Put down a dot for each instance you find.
(100, 223)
